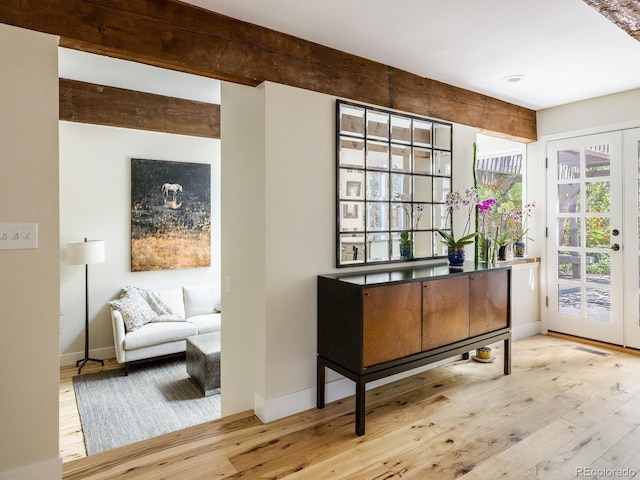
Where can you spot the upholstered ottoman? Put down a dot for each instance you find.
(203, 362)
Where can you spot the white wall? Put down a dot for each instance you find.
(279, 144)
(29, 374)
(95, 202)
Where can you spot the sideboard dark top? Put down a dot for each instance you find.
(378, 277)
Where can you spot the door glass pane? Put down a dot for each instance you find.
(569, 299)
(597, 197)
(598, 231)
(569, 264)
(568, 164)
(569, 232)
(597, 162)
(599, 268)
(598, 306)
(569, 198)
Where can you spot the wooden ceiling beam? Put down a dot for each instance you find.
(178, 36)
(624, 13)
(116, 107)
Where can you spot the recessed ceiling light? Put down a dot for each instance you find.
(513, 78)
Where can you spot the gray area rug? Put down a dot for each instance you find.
(153, 399)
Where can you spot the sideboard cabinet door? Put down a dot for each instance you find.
(391, 323)
(445, 311)
(489, 301)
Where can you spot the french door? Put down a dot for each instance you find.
(592, 244)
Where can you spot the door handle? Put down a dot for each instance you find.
(615, 247)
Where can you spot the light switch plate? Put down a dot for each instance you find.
(14, 236)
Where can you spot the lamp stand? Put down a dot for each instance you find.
(81, 363)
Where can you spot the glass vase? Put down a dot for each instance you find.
(518, 249)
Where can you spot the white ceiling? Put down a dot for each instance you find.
(566, 50)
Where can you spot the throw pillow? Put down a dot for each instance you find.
(152, 298)
(134, 309)
(199, 299)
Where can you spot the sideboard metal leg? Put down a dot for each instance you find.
(360, 406)
(321, 379)
(507, 356)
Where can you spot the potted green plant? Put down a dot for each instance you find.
(455, 247)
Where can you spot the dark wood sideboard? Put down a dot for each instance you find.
(380, 323)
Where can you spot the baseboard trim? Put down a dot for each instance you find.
(101, 353)
(530, 329)
(47, 470)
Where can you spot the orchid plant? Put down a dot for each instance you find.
(455, 201)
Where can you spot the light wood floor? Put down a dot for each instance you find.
(561, 410)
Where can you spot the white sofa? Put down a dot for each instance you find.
(160, 324)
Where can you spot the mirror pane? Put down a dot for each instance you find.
(442, 136)
(422, 133)
(400, 129)
(377, 216)
(351, 152)
(352, 216)
(351, 249)
(378, 247)
(423, 245)
(401, 158)
(440, 218)
(422, 189)
(442, 186)
(351, 184)
(421, 216)
(351, 120)
(442, 163)
(400, 187)
(377, 186)
(377, 125)
(422, 160)
(377, 155)
(400, 218)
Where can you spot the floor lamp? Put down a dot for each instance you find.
(85, 253)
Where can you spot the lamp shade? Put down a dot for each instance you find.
(83, 253)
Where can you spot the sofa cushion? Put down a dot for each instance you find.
(154, 299)
(158, 333)
(174, 299)
(206, 323)
(135, 311)
(199, 300)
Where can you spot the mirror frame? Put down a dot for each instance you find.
(393, 171)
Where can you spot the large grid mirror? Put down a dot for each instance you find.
(393, 173)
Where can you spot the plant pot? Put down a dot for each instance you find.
(405, 250)
(518, 249)
(502, 253)
(456, 255)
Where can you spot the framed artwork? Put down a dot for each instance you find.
(170, 215)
